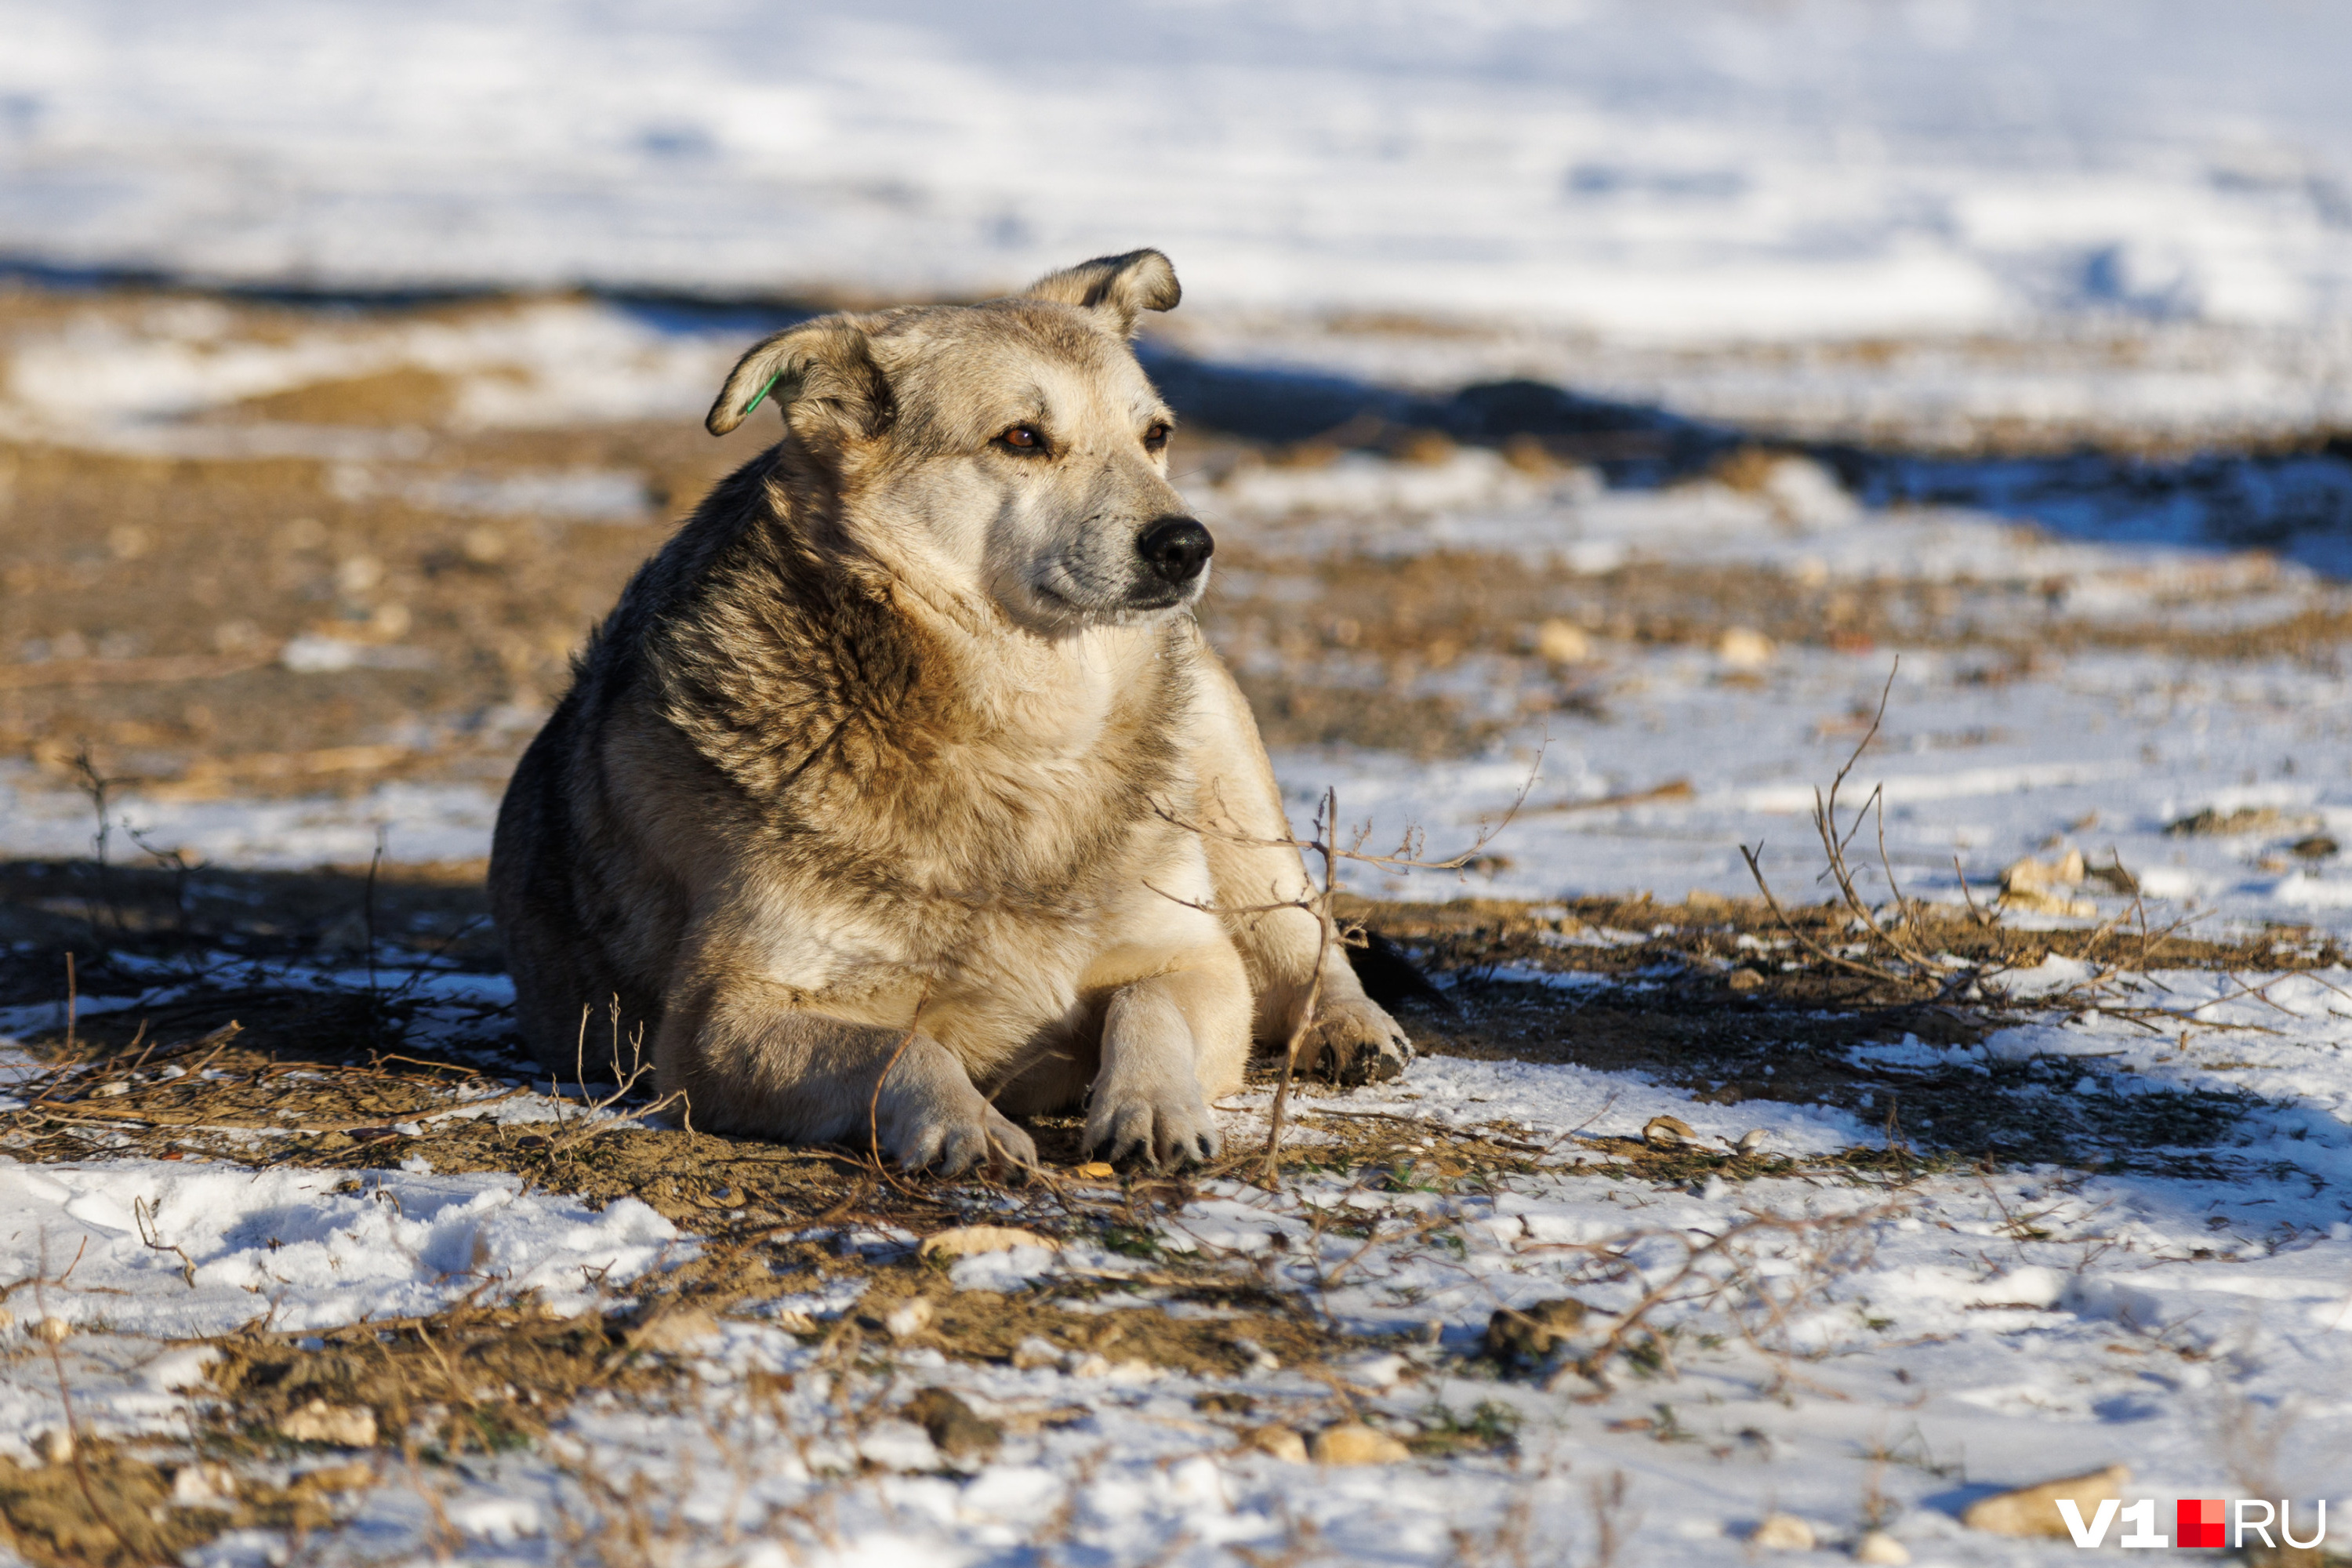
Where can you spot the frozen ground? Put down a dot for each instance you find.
(1850, 1352)
(1991, 748)
(1847, 1347)
(1636, 191)
(1699, 171)
(1910, 233)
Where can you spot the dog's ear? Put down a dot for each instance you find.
(822, 377)
(1119, 287)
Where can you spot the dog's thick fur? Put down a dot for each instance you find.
(904, 762)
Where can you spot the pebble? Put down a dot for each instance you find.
(910, 1319)
(2034, 1511)
(345, 1426)
(679, 1331)
(203, 1485)
(1279, 1441)
(1783, 1533)
(954, 1429)
(965, 1240)
(1036, 1352)
(1668, 1133)
(1743, 648)
(1353, 1442)
(1563, 642)
(1533, 1331)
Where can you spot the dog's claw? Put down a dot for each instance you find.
(1153, 1134)
(951, 1151)
(1354, 1043)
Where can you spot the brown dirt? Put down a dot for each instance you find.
(160, 590)
(330, 1080)
(1407, 618)
(110, 1508)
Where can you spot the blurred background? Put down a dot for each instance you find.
(1629, 381)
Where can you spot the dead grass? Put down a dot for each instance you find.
(160, 590)
(157, 592)
(332, 1079)
(123, 1520)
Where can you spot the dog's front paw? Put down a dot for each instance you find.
(1165, 1123)
(947, 1127)
(1354, 1043)
(952, 1145)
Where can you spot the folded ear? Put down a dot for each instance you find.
(822, 377)
(1119, 287)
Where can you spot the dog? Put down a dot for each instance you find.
(899, 795)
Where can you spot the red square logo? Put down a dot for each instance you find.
(2197, 1522)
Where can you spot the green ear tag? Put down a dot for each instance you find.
(762, 396)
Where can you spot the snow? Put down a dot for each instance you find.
(1982, 762)
(427, 822)
(130, 382)
(1692, 171)
(1975, 1328)
(286, 1247)
(1840, 220)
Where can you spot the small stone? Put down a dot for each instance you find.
(1783, 1533)
(2031, 876)
(1262, 1361)
(1036, 1352)
(1749, 1141)
(1562, 642)
(1533, 1331)
(2034, 1511)
(1668, 1133)
(1743, 979)
(678, 1333)
(910, 1319)
(1743, 648)
(955, 1430)
(1353, 1442)
(342, 1425)
(52, 1331)
(1877, 1546)
(2040, 903)
(965, 1240)
(335, 1479)
(2041, 888)
(56, 1446)
(1097, 1171)
(204, 1485)
(1280, 1442)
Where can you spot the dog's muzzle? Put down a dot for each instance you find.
(1174, 551)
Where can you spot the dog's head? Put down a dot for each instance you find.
(1011, 449)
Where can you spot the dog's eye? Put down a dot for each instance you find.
(1155, 438)
(1023, 438)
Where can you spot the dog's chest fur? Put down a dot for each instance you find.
(925, 793)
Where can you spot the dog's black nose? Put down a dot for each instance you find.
(1175, 548)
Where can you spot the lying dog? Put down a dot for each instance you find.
(904, 762)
